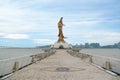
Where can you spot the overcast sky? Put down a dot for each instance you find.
(29, 23)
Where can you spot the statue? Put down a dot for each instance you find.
(61, 43)
(60, 34)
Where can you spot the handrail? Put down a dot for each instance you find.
(102, 56)
(19, 57)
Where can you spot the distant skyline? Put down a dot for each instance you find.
(29, 23)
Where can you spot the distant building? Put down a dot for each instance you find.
(94, 45)
(87, 45)
(82, 46)
(118, 45)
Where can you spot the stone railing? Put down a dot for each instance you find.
(12, 65)
(107, 63)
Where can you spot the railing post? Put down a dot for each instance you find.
(15, 66)
(90, 59)
(32, 59)
(81, 55)
(107, 65)
(42, 56)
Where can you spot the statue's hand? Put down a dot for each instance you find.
(63, 24)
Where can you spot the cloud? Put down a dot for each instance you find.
(44, 41)
(91, 20)
(34, 17)
(102, 37)
(84, 23)
(2, 34)
(16, 36)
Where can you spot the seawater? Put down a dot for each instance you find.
(112, 53)
(8, 53)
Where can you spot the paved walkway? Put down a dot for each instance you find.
(61, 66)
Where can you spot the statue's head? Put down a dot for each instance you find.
(61, 17)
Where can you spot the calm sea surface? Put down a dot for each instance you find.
(8, 53)
(113, 53)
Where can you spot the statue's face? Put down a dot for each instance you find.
(61, 17)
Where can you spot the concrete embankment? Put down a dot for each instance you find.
(61, 66)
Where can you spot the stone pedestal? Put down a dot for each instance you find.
(61, 45)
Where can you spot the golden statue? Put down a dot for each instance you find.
(61, 43)
(60, 35)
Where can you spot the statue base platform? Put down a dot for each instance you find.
(61, 45)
